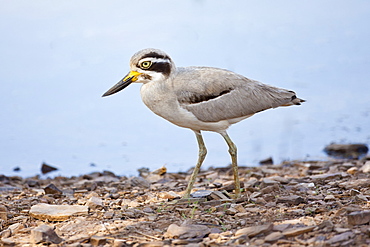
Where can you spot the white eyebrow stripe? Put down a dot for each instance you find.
(155, 60)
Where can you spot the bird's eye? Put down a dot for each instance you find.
(145, 64)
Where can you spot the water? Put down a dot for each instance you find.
(58, 59)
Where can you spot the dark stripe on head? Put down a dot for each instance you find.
(155, 55)
(162, 67)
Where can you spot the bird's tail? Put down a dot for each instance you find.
(295, 101)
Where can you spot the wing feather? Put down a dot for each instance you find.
(214, 94)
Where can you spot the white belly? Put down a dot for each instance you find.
(163, 102)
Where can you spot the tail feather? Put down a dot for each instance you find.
(295, 101)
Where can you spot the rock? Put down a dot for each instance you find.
(281, 227)
(352, 170)
(341, 237)
(329, 197)
(268, 182)
(97, 240)
(7, 242)
(254, 230)
(95, 203)
(274, 236)
(16, 169)
(44, 234)
(355, 184)
(3, 213)
(292, 232)
(15, 228)
(346, 151)
(291, 200)
(218, 195)
(201, 194)
(5, 234)
(366, 167)
(323, 177)
(169, 195)
(52, 189)
(45, 168)
(359, 217)
(187, 231)
(44, 211)
(119, 243)
(139, 182)
(267, 161)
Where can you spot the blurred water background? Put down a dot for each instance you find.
(58, 58)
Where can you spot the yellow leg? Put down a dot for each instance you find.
(201, 156)
(234, 162)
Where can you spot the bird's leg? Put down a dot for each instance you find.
(234, 162)
(201, 156)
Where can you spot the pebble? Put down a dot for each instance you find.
(341, 237)
(95, 203)
(308, 203)
(291, 200)
(45, 168)
(3, 213)
(346, 151)
(44, 211)
(366, 167)
(359, 217)
(52, 189)
(97, 240)
(187, 231)
(292, 232)
(44, 234)
(254, 230)
(274, 236)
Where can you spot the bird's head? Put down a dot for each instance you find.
(148, 65)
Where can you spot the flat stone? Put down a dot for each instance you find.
(218, 195)
(274, 236)
(169, 195)
(187, 231)
(6, 242)
(359, 217)
(44, 234)
(326, 176)
(201, 194)
(268, 182)
(281, 227)
(292, 232)
(292, 200)
(43, 211)
(254, 230)
(341, 237)
(329, 197)
(355, 184)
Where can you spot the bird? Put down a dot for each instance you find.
(200, 99)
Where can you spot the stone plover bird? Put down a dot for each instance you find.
(201, 99)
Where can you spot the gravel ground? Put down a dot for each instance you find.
(297, 203)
